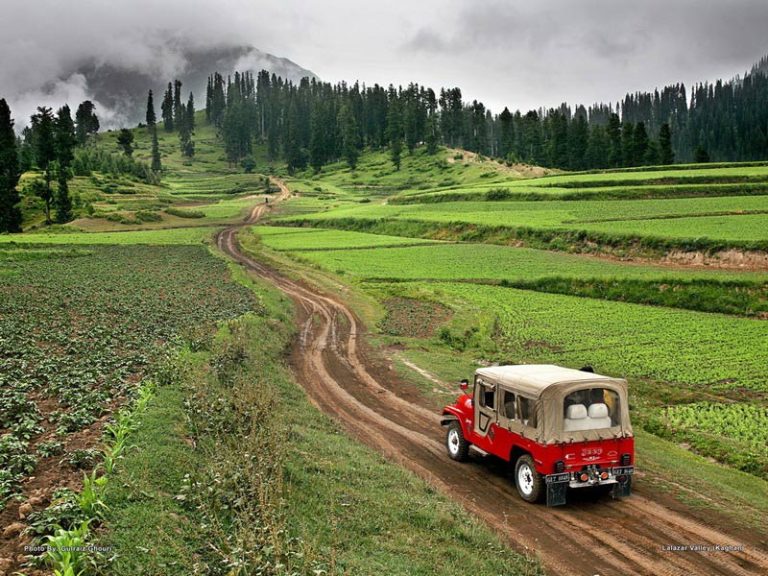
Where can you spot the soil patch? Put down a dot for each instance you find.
(413, 318)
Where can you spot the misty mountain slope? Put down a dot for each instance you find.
(121, 90)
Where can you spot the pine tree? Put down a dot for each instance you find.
(640, 144)
(178, 106)
(395, 132)
(186, 125)
(10, 214)
(86, 121)
(614, 133)
(62, 199)
(628, 144)
(157, 165)
(666, 154)
(125, 141)
(166, 109)
(348, 128)
(66, 140)
(44, 138)
(507, 140)
(151, 116)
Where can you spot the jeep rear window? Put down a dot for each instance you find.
(591, 409)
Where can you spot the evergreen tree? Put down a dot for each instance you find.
(578, 140)
(640, 144)
(614, 134)
(507, 140)
(44, 137)
(348, 128)
(186, 124)
(65, 141)
(178, 106)
(125, 141)
(628, 144)
(598, 148)
(295, 155)
(87, 122)
(62, 199)
(10, 214)
(151, 116)
(157, 165)
(166, 109)
(395, 132)
(666, 155)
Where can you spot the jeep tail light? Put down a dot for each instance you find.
(626, 459)
(604, 475)
(584, 477)
(559, 466)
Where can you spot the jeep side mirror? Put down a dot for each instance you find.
(464, 384)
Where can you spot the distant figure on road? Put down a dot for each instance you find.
(266, 200)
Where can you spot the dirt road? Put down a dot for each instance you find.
(348, 381)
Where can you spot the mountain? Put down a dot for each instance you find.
(121, 91)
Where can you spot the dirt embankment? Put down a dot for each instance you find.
(350, 382)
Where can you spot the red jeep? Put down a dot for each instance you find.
(560, 428)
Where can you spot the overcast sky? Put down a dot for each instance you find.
(518, 53)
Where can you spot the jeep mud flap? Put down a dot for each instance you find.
(622, 489)
(557, 487)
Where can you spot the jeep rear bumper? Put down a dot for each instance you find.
(619, 477)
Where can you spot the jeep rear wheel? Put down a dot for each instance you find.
(457, 445)
(529, 483)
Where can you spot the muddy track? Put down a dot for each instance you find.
(346, 380)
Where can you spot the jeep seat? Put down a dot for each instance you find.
(598, 416)
(576, 418)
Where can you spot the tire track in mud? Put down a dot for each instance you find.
(587, 537)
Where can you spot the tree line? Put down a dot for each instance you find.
(312, 123)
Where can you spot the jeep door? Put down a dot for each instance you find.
(485, 406)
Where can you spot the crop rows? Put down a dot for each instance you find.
(467, 261)
(746, 423)
(313, 239)
(77, 333)
(675, 346)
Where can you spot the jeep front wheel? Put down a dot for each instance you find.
(529, 483)
(457, 445)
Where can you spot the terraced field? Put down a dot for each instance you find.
(736, 219)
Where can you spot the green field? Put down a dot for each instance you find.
(312, 239)
(728, 219)
(340, 250)
(157, 236)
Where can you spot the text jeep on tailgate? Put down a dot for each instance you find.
(560, 428)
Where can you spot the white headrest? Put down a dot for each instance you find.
(599, 410)
(576, 412)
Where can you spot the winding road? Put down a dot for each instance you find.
(349, 381)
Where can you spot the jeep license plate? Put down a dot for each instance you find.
(626, 471)
(557, 478)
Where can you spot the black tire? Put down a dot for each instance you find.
(529, 483)
(455, 443)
